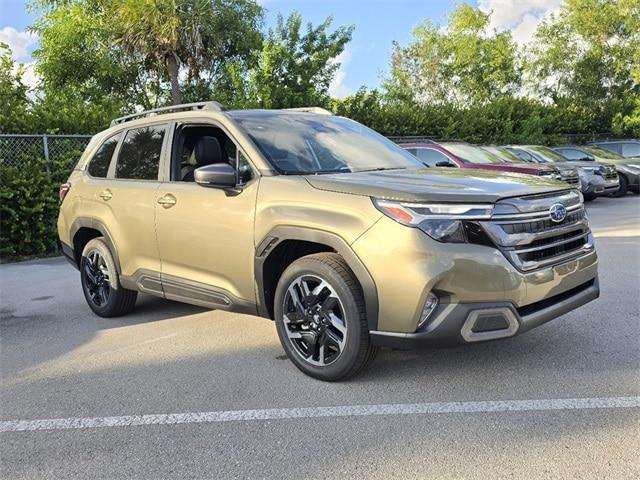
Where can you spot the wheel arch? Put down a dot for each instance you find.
(285, 244)
(85, 229)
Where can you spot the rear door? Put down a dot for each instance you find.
(128, 198)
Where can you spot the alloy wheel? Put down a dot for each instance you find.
(314, 320)
(96, 278)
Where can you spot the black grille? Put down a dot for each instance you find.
(553, 251)
(542, 225)
(611, 173)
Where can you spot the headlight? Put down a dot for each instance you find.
(593, 170)
(441, 221)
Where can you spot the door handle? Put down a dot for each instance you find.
(167, 201)
(106, 195)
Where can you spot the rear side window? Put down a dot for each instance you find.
(99, 165)
(139, 157)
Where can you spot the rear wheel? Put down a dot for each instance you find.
(320, 318)
(100, 283)
(624, 185)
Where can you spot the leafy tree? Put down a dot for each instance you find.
(457, 64)
(13, 93)
(588, 56)
(129, 50)
(293, 68)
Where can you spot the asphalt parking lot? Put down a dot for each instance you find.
(222, 401)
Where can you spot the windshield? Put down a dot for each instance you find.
(548, 154)
(504, 154)
(603, 153)
(302, 143)
(472, 153)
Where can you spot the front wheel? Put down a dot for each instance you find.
(100, 283)
(624, 185)
(320, 318)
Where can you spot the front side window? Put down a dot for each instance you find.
(431, 157)
(99, 164)
(139, 157)
(300, 143)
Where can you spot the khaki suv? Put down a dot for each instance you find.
(343, 238)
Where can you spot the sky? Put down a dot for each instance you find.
(377, 24)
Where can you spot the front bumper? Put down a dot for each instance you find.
(598, 186)
(454, 323)
(406, 265)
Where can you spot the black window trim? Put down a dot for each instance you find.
(111, 174)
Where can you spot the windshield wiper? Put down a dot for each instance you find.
(318, 172)
(379, 169)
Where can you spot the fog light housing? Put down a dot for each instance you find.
(430, 305)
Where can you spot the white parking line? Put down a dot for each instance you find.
(316, 412)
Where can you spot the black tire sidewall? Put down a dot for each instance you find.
(101, 247)
(624, 185)
(345, 363)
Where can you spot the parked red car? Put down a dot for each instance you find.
(464, 155)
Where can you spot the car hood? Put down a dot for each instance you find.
(529, 168)
(436, 184)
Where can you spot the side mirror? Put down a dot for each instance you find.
(445, 164)
(217, 175)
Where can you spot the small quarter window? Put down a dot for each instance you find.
(245, 172)
(99, 164)
(139, 157)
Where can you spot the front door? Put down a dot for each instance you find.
(205, 234)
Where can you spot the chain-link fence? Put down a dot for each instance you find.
(16, 149)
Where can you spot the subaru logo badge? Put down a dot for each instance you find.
(557, 212)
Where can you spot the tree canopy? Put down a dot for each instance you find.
(461, 79)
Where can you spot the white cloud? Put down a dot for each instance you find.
(337, 88)
(30, 77)
(18, 41)
(520, 16)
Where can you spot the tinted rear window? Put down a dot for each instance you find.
(139, 157)
(99, 165)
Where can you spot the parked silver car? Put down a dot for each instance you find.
(596, 179)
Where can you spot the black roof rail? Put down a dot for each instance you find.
(210, 105)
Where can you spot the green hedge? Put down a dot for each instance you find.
(504, 120)
(29, 206)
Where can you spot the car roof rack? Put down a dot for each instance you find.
(316, 110)
(211, 105)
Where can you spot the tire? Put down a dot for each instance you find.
(624, 186)
(325, 332)
(101, 284)
(589, 197)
